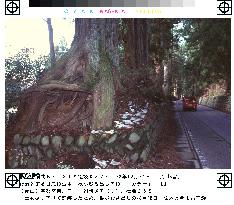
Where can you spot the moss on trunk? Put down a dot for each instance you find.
(104, 96)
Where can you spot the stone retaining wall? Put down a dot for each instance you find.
(222, 103)
(136, 145)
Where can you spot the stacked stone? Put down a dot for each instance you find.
(135, 146)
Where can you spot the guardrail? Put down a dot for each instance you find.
(222, 103)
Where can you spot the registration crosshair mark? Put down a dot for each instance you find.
(12, 181)
(224, 7)
(225, 180)
(12, 7)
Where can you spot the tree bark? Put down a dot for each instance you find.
(136, 43)
(101, 46)
(51, 41)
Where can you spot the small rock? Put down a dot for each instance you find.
(120, 150)
(20, 156)
(18, 139)
(26, 140)
(13, 163)
(36, 139)
(103, 136)
(68, 140)
(134, 138)
(144, 154)
(111, 150)
(134, 157)
(32, 163)
(57, 141)
(12, 159)
(49, 153)
(112, 139)
(38, 154)
(127, 159)
(24, 161)
(129, 147)
(91, 140)
(45, 141)
(43, 149)
(25, 150)
(31, 150)
(81, 141)
(74, 149)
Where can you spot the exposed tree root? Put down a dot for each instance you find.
(57, 85)
(73, 112)
(41, 113)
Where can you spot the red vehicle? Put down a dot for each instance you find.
(189, 103)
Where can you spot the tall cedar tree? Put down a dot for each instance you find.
(78, 92)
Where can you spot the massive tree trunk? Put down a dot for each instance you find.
(136, 43)
(136, 50)
(143, 41)
(79, 91)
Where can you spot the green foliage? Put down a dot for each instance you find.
(161, 38)
(21, 72)
(206, 45)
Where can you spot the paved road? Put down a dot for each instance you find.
(210, 131)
